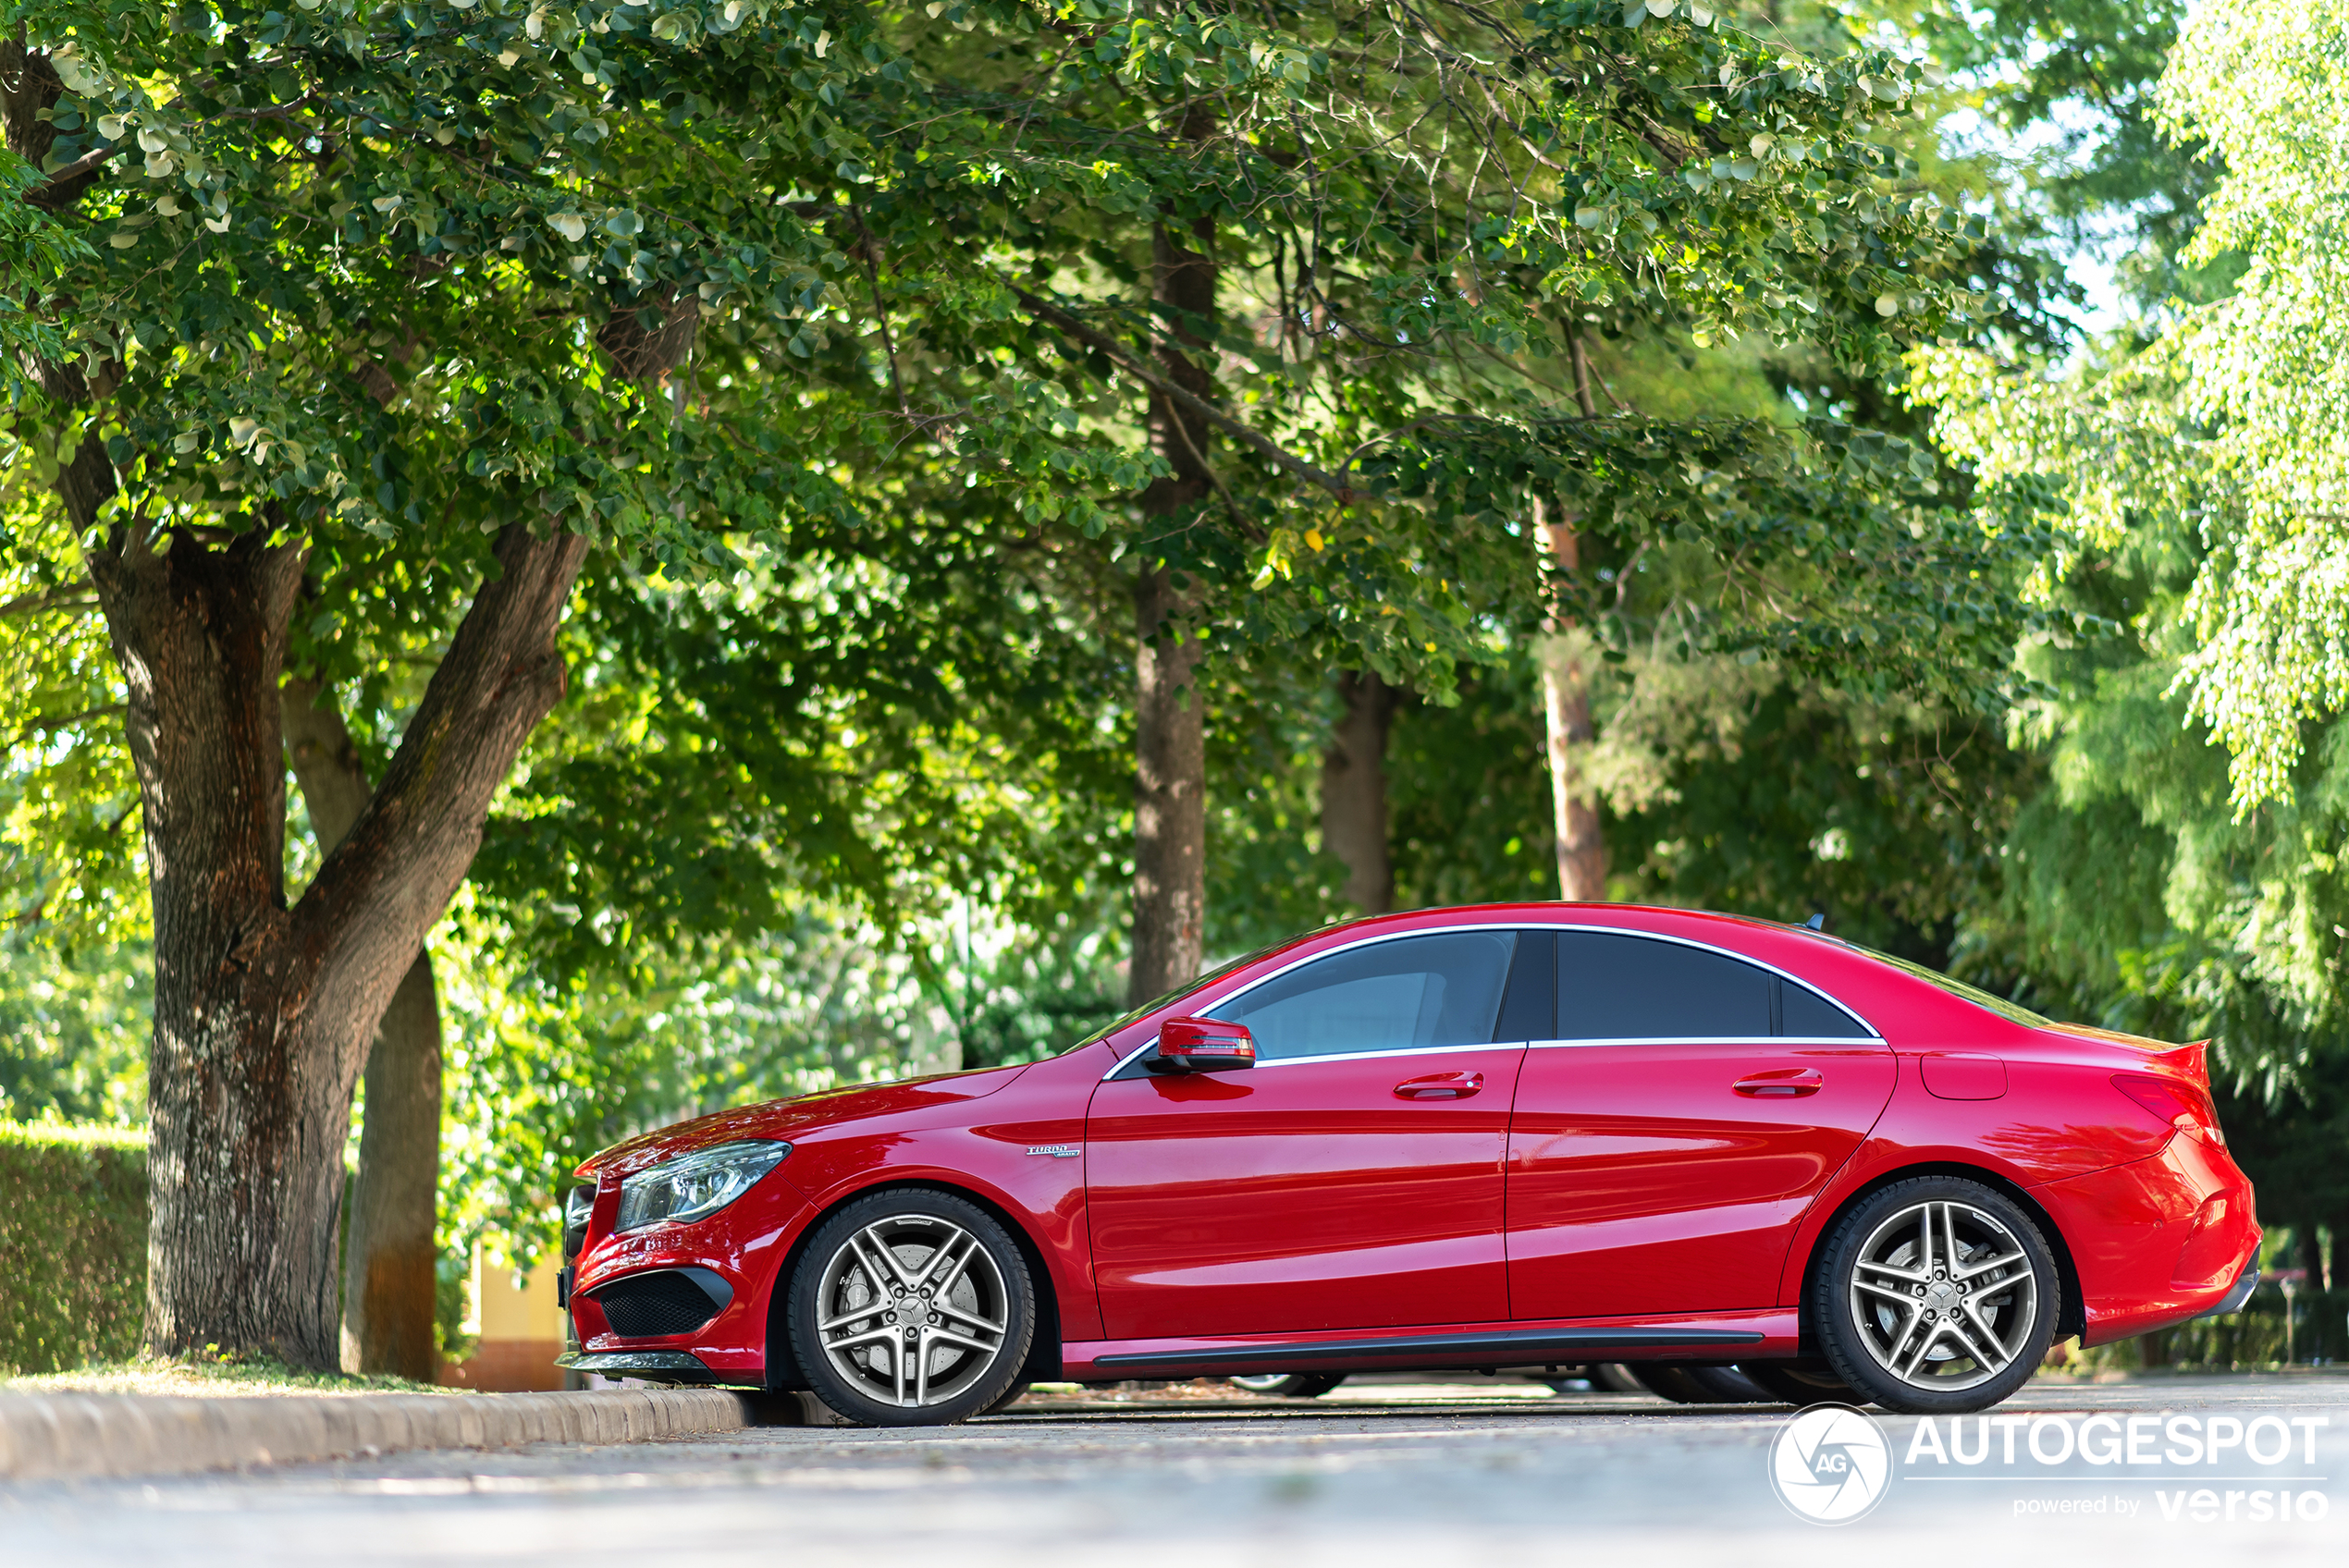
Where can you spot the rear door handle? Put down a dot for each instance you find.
(1440, 1087)
(1780, 1083)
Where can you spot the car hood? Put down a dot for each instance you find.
(796, 1117)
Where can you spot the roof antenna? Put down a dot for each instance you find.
(1816, 923)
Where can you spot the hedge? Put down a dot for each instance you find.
(73, 1245)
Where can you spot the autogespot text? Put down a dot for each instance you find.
(2187, 1469)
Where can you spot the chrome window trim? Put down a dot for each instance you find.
(1822, 1041)
(1868, 1037)
(1268, 1063)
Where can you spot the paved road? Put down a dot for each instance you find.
(1369, 1477)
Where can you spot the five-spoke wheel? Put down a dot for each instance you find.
(911, 1307)
(1935, 1295)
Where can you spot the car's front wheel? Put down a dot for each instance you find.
(911, 1308)
(1936, 1296)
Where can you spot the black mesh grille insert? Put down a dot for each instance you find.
(645, 1305)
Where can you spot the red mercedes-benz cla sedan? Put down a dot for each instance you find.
(1512, 1137)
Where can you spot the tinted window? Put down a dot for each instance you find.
(1620, 988)
(1399, 995)
(1529, 1012)
(1804, 1014)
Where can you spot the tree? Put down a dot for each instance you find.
(2235, 411)
(329, 202)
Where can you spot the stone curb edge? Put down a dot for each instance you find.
(49, 1436)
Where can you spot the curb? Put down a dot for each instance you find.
(50, 1436)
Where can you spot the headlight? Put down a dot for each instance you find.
(697, 1184)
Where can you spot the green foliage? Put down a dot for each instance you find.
(541, 1075)
(1886, 817)
(2074, 83)
(2230, 422)
(73, 1032)
(72, 861)
(73, 1245)
(34, 253)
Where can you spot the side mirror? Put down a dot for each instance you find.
(1202, 1044)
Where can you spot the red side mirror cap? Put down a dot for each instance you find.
(1202, 1044)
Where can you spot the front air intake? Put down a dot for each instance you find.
(668, 1301)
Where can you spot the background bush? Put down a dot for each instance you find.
(73, 1245)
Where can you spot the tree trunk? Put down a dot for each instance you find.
(388, 1250)
(243, 1189)
(1170, 776)
(1354, 791)
(264, 1014)
(1170, 798)
(1566, 657)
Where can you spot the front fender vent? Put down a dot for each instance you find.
(665, 1301)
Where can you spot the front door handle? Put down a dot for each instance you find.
(1440, 1087)
(1780, 1083)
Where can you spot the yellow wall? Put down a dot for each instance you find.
(518, 1328)
(504, 1309)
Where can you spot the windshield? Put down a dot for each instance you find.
(1114, 1024)
(2012, 1012)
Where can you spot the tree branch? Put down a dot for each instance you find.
(79, 596)
(378, 891)
(54, 188)
(50, 724)
(1094, 339)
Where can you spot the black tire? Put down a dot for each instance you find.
(1697, 1385)
(1010, 1397)
(1615, 1378)
(1292, 1385)
(1955, 1277)
(877, 1252)
(1801, 1383)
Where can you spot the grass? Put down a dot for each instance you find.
(209, 1377)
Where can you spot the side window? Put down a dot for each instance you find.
(1414, 992)
(1804, 1014)
(1626, 987)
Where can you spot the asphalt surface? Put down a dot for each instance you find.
(1369, 1477)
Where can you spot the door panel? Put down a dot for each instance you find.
(1302, 1194)
(1642, 1178)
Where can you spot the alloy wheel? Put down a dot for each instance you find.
(1944, 1295)
(912, 1311)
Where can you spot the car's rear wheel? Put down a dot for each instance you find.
(911, 1308)
(1937, 1296)
(1801, 1383)
(1290, 1385)
(1696, 1385)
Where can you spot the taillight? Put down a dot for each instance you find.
(2175, 1104)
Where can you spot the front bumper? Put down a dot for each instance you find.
(658, 1365)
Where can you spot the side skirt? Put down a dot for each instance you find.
(1712, 1336)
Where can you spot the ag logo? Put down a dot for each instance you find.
(1830, 1464)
